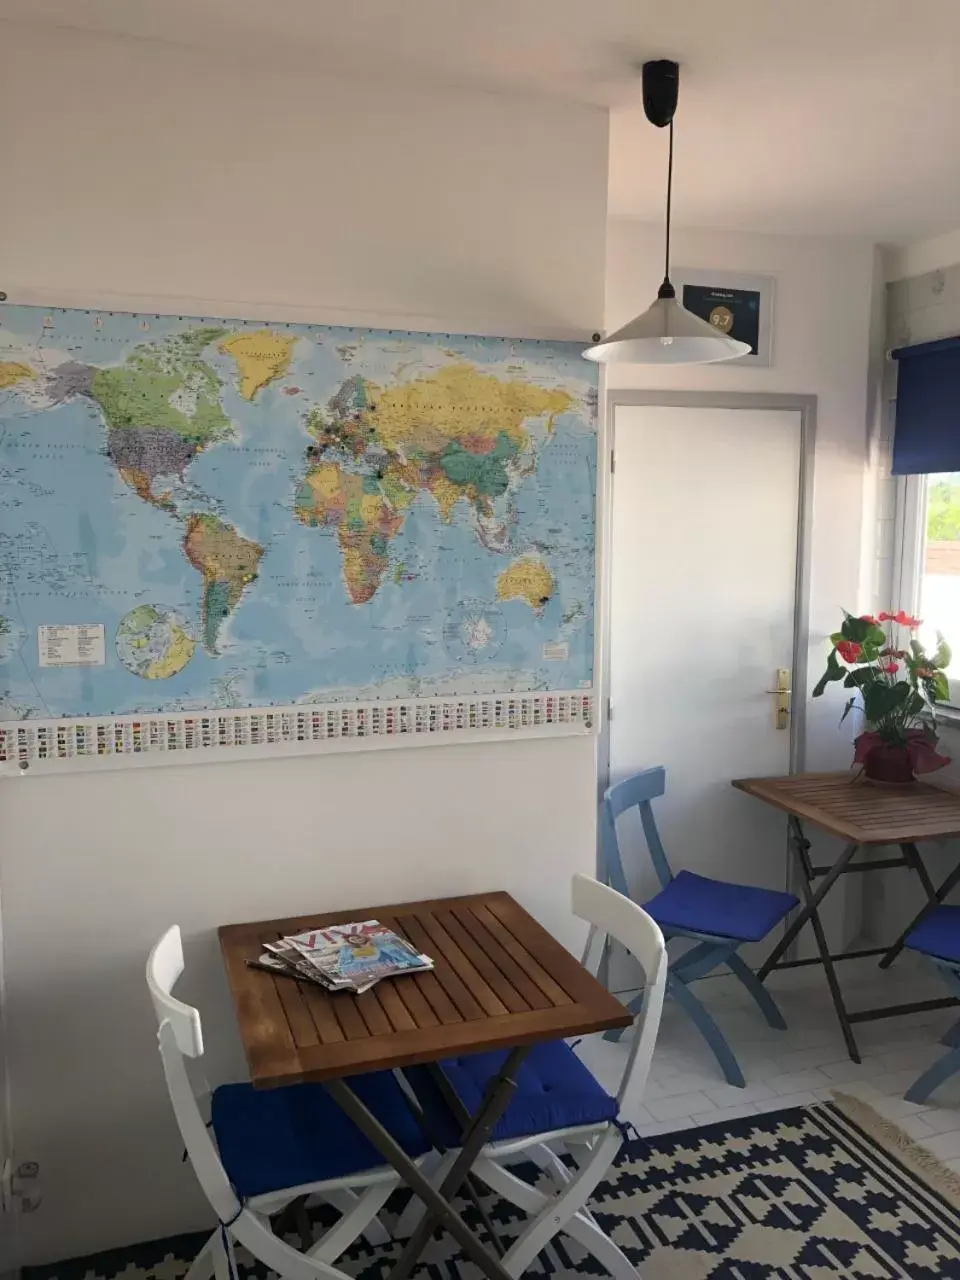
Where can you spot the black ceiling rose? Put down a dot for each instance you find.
(661, 85)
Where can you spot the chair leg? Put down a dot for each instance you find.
(594, 1239)
(221, 1258)
(708, 1029)
(934, 1077)
(204, 1263)
(557, 1211)
(765, 1001)
(344, 1201)
(357, 1220)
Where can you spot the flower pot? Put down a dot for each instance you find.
(897, 763)
(890, 764)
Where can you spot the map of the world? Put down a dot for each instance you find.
(200, 513)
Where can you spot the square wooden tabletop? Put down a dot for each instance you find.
(500, 980)
(859, 811)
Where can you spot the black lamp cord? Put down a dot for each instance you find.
(667, 290)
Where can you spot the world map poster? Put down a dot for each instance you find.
(199, 513)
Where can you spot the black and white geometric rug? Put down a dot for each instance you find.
(804, 1194)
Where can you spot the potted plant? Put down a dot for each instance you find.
(898, 686)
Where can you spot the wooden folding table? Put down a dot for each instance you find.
(500, 981)
(865, 815)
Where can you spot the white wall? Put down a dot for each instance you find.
(147, 175)
(821, 346)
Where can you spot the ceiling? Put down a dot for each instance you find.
(834, 117)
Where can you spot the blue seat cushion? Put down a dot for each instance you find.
(701, 905)
(554, 1091)
(270, 1139)
(937, 934)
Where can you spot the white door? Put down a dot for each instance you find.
(706, 509)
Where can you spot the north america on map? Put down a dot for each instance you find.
(274, 514)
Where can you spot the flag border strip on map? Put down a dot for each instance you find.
(61, 745)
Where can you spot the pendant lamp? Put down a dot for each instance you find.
(666, 333)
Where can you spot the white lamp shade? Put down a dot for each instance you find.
(667, 333)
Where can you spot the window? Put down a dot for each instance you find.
(927, 568)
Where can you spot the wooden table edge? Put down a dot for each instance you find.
(851, 833)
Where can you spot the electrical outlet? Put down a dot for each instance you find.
(24, 1194)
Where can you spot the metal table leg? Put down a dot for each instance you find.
(936, 896)
(496, 1099)
(440, 1212)
(813, 914)
(799, 846)
(473, 1186)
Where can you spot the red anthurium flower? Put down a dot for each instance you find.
(849, 650)
(868, 617)
(907, 620)
(888, 617)
(890, 668)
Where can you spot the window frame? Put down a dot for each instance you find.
(909, 542)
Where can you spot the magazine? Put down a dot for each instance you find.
(346, 957)
(352, 954)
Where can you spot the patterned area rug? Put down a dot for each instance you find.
(803, 1194)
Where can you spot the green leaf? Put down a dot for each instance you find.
(917, 649)
(834, 671)
(943, 654)
(851, 703)
(860, 678)
(856, 628)
(881, 700)
(837, 637)
(939, 688)
(915, 704)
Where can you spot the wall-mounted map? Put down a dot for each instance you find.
(201, 513)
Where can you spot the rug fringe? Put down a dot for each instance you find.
(887, 1134)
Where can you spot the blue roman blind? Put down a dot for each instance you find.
(927, 433)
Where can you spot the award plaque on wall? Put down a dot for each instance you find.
(736, 304)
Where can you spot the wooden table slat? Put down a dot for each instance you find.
(546, 950)
(422, 991)
(448, 956)
(393, 1000)
(552, 991)
(320, 1006)
(372, 1013)
(859, 812)
(489, 955)
(447, 980)
(349, 1016)
(499, 955)
(488, 970)
(301, 1024)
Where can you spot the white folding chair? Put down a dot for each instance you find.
(554, 1084)
(273, 1146)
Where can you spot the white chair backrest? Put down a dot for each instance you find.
(610, 914)
(180, 1036)
(164, 967)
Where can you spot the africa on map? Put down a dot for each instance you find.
(266, 514)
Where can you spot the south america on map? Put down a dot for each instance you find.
(266, 514)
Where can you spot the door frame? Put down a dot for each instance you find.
(806, 406)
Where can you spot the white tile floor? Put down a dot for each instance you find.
(803, 1064)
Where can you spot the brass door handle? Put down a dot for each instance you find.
(781, 712)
